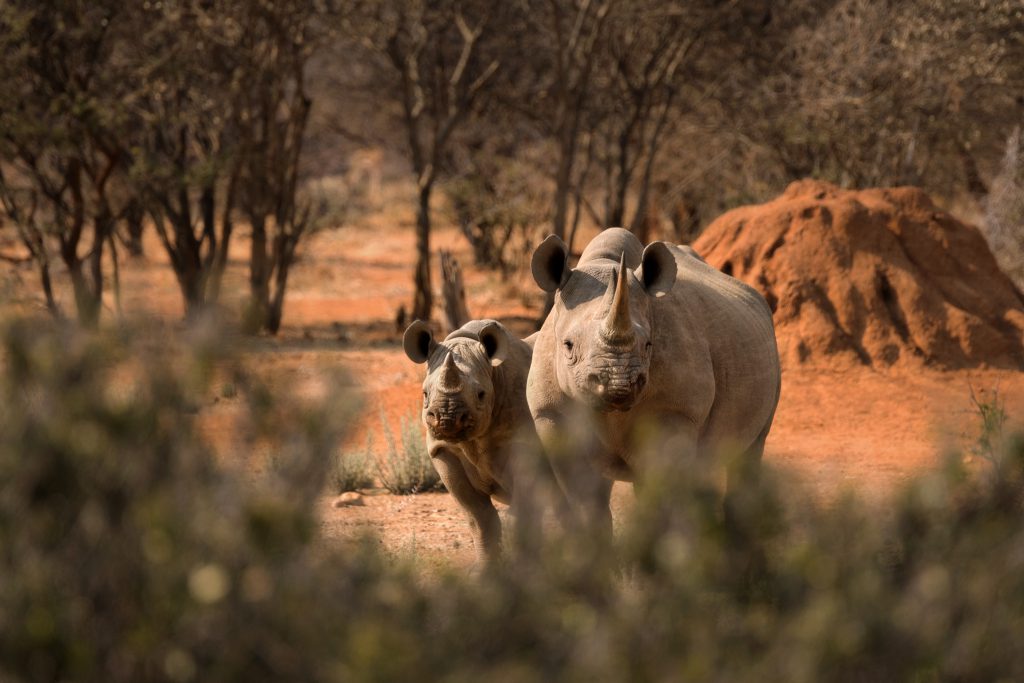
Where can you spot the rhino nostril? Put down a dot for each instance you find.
(641, 380)
(596, 383)
(431, 418)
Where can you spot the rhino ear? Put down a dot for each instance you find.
(418, 342)
(658, 269)
(550, 263)
(495, 342)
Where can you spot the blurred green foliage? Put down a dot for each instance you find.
(128, 554)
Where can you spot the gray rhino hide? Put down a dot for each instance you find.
(713, 374)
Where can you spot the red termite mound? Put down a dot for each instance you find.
(878, 277)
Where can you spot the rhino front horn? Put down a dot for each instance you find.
(450, 381)
(618, 326)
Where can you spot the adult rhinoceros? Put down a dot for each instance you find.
(647, 340)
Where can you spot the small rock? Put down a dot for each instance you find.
(348, 499)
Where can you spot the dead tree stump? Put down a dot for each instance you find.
(453, 292)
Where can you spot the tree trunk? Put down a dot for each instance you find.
(284, 255)
(563, 186)
(423, 299)
(275, 311)
(640, 220)
(259, 277)
(975, 185)
(87, 314)
(133, 218)
(453, 293)
(88, 289)
(116, 282)
(51, 302)
(220, 258)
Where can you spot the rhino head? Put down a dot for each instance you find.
(459, 390)
(602, 322)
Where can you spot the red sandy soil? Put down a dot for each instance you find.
(841, 427)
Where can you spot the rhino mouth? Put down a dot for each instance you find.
(611, 393)
(455, 434)
(615, 403)
(451, 429)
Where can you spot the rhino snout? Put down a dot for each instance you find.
(449, 423)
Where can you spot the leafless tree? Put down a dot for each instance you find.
(434, 57)
(652, 47)
(564, 44)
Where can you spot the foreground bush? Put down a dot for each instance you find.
(127, 555)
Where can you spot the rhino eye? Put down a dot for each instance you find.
(567, 344)
(480, 395)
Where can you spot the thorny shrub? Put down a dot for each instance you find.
(127, 554)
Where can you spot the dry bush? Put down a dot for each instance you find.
(353, 469)
(406, 468)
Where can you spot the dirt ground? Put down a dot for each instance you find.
(836, 430)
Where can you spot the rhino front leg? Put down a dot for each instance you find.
(587, 491)
(483, 517)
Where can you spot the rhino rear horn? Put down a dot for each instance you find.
(495, 342)
(418, 342)
(658, 269)
(550, 263)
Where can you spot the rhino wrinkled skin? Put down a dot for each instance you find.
(476, 417)
(639, 336)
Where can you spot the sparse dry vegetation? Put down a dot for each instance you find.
(405, 467)
(353, 469)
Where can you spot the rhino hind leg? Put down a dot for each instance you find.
(745, 470)
(483, 517)
(743, 508)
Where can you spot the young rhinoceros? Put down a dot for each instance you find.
(640, 336)
(476, 417)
